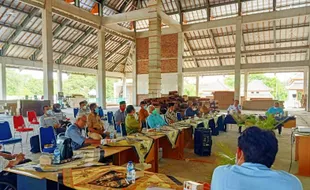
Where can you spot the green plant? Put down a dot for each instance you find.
(225, 155)
(266, 124)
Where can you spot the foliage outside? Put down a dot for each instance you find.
(25, 84)
(189, 89)
(278, 89)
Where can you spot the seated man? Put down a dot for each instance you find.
(143, 114)
(95, 126)
(84, 109)
(276, 110)
(171, 116)
(204, 110)
(154, 120)
(61, 116)
(49, 119)
(192, 110)
(75, 133)
(120, 115)
(131, 123)
(256, 153)
(234, 108)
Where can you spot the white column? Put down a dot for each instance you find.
(47, 49)
(154, 52)
(3, 82)
(246, 80)
(238, 59)
(197, 85)
(305, 85)
(308, 90)
(101, 68)
(180, 62)
(124, 88)
(59, 79)
(134, 76)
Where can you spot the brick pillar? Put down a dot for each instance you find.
(154, 64)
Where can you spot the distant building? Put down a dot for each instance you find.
(257, 90)
(295, 87)
(206, 88)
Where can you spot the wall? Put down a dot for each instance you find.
(169, 54)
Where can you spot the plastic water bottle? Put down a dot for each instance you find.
(112, 134)
(56, 156)
(130, 172)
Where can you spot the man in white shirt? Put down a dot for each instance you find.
(234, 108)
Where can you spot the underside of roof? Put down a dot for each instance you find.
(75, 44)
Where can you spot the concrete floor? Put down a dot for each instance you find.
(198, 168)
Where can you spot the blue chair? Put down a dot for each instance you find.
(6, 137)
(47, 136)
(75, 112)
(124, 132)
(179, 116)
(101, 113)
(110, 117)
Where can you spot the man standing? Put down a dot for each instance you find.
(256, 153)
(75, 133)
(120, 115)
(171, 116)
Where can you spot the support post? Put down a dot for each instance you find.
(155, 52)
(308, 90)
(180, 62)
(197, 85)
(47, 49)
(59, 79)
(101, 68)
(246, 80)
(134, 76)
(238, 59)
(3, 82)
(124, 88)
(305, 85)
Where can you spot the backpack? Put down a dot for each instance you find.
(64, 146)
(35, 144)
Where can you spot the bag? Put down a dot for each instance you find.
(64, 146)
(35, 144)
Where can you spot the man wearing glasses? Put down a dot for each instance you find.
(75, 133)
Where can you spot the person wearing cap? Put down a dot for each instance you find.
(120, 115)
(143, 114)
(171, 116)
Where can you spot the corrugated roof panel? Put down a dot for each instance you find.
(228, 61)
(256, 6)
(288, 4)
(195, 16)
(224, 11)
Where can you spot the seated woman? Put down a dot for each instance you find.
(94, 124)
(204, 110)
(154, 120)
(61, 116)
(131, 123)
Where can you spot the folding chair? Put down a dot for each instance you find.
(75, 112)
(19, 126)
(110, 117)
(6, 137)
(101, 113)
(47, 136)
(33, 119)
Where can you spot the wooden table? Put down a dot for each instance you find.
(80, 178)
(302, 154)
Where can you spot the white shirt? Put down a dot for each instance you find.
(233, 109)
(3, 163)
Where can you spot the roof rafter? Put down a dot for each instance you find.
(117, 49)
(190, 50)
(74, 45)
(18, 30)
(119, 62)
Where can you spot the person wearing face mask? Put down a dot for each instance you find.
(120, 114)
(95, 126)
(131, 122)
(143, 114)
(49, 119)
(154, 120)
(64, 123)
(256, 153)
(74, 132)
(191, 111)
(276, 110)
(84, 110)
(170, 114)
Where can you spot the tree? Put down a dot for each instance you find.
(278, 89)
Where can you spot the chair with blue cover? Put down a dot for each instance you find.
(179, 116)
(75, 112)
(47, 136)
(6, 137)
(110, 118)
(101, 113)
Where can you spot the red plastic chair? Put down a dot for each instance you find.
(32, 118)
(19, 126)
